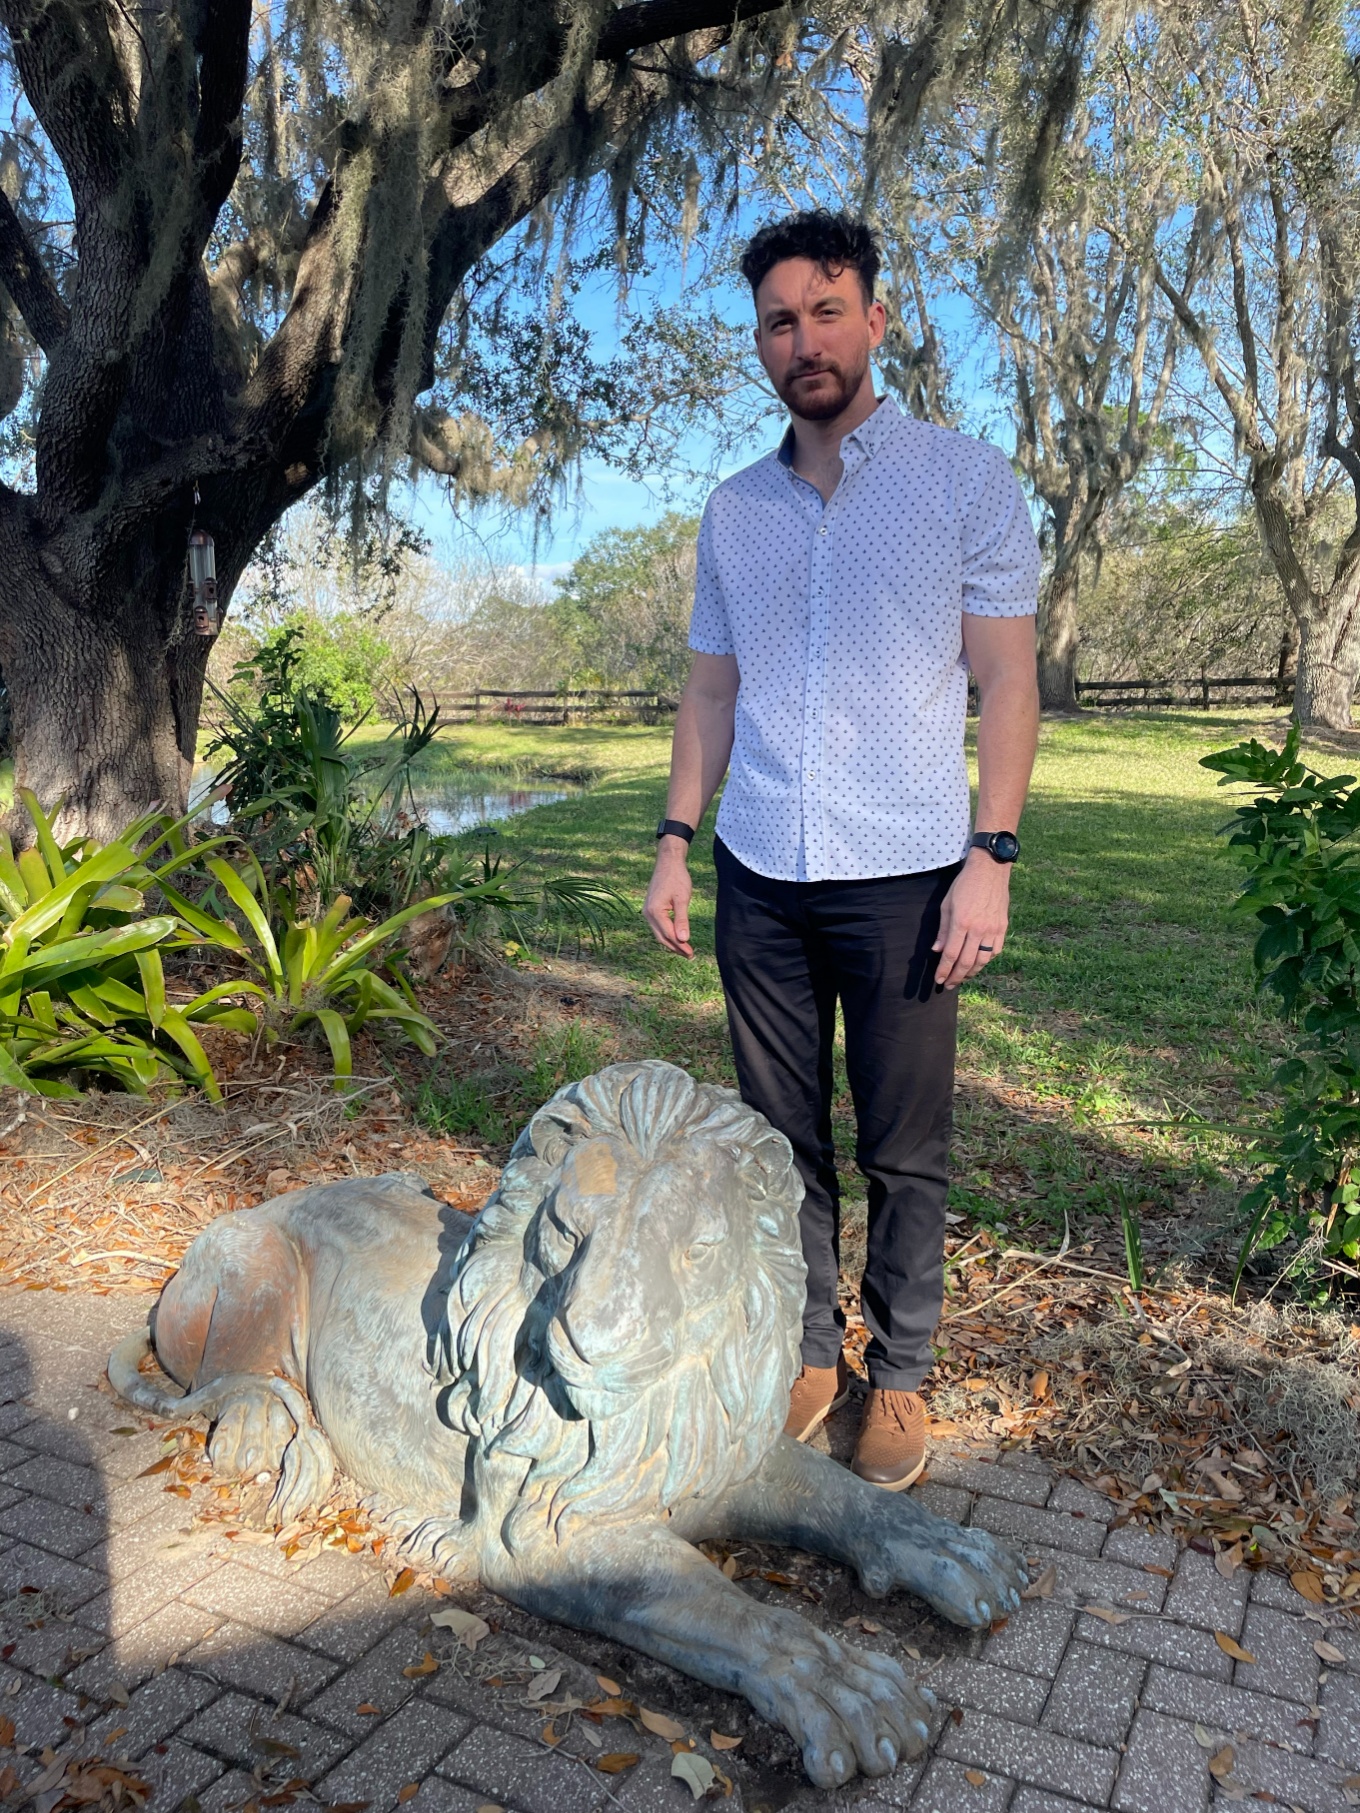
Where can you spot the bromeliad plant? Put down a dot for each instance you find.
(82, 984)
(1298, 839)
(335, 971)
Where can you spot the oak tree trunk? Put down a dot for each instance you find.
(103, 703)
(1328, 667)
(1058, 639)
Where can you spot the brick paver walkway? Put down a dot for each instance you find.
(218, 1672)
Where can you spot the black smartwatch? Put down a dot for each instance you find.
(1001, 846)
(675, 827)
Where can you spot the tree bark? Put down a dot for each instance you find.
(1058, 639)
(1328, 666)
(103, 703)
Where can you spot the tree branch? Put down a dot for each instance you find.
(29, 281)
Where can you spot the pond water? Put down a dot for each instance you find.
(454, 805)
(451, 805)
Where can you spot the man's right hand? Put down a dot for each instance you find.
(666, 908)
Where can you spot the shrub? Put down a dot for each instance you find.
(82, 985)
(1297, 838)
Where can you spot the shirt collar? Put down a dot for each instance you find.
(871, 434)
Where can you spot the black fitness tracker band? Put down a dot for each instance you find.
(675, 827)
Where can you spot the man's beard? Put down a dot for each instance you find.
(827, 401)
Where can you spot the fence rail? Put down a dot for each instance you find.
(585, 705)
(562, 705)
(1199, 693)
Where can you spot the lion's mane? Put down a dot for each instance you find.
(703, 1426)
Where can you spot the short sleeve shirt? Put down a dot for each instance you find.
(846, 620)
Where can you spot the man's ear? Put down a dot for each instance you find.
(878, 322)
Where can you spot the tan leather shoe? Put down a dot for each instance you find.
(817, 1391)
(891, 1450)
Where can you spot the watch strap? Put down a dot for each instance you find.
(675, 827)
(989, 841)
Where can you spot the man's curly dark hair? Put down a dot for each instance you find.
(836, 242)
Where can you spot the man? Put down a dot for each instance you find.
(846, 583)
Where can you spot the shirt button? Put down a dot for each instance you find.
(821, 531)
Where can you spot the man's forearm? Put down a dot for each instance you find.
(1007, 737)
(699, 755)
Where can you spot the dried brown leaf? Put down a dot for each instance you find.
(660, 1724)
(1231, 1647)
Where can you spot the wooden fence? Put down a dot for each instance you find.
(563, 706)
(596, 705)
(1199, 694)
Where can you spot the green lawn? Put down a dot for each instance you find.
(1121, 1008)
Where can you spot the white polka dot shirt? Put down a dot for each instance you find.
(846, 619)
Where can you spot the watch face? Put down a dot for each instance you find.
(1005, 846)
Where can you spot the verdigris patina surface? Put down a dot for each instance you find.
(566, 1397)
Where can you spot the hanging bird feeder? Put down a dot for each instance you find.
(203, 580)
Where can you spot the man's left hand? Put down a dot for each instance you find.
(974, 915)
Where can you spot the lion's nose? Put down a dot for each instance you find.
(610, 1316)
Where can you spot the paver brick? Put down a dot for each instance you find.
(946, 1789)
(53, 1649)
(1162, 1640)
(1082, 1501)
(258, 1664)
(375, 1680)
(175, 1770)
(1200, 1595)
(1165, 1770)
(1227, 1709)
(351, 1628)
(137, 1653)
(1301, 1781)
(229, 1793)
(43, 1714)
(155, 1710)
(281, 1609)
(1026, 1523)
(439, 1796)
(404, 1748)
(1095, 1695)
(1041, 1758)
(651, 1788)
(1286, 1663)
(130, 1599)
(51, 1526)
(1102, 1582)
(243, 1731)
(1275, 1591)
(73, 1584)
(1140, 1548)
(63, 1481)
(1338, 1735)
(1034, 1800)
(511, 1768)
(974, 1475)
(962, 1682)
(950, 1502)
(1033, 1639)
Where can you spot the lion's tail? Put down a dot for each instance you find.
(137, 1388)
(133, 1385)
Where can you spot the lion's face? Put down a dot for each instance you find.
(639, 1256)
(625, 1315)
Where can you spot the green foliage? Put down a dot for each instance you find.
(82, 984)
(1297, 838)
(326, 970)
(621, 616)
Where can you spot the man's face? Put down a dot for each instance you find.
(814, 335)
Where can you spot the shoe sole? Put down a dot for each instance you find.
(822, 1415)
(896, 1485)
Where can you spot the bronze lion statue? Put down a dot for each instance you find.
(594, 1378)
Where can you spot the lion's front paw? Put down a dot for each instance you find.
(848, 1709)
(964, 1574)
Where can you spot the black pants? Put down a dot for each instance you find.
(786, 951)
